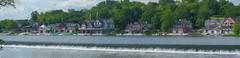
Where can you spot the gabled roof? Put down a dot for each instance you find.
(231, 19)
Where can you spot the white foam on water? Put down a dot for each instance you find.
(154, 50)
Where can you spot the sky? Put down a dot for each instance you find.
(25, 7)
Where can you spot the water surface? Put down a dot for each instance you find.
(119, 47)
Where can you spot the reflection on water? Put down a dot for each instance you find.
(11, 52)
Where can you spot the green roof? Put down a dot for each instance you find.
(216, 18)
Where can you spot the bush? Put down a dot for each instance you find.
(236, 28)
(148, 33)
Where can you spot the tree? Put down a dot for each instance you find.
(149, 11)
(60, 16)
(120, 18)
(75, 16)
(8, 25)
(103, 10)
(133, 11)
(4, 3)
(181, 11)
(236, 28)
(232, 11)
(125, 1)
(213, 6)
(203, 13)
(167, 3)
(223, 6)
(11, 25)
(128, 12)
(34, 16)
(156, 20)
(24, 22)
(167, 19)
(187, 9)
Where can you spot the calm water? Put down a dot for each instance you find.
(131, 47)
(142, 40)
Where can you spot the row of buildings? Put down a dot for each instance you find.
(90, 27)
(219, 27)
(185, 27)
(211, 27)
(180, 27)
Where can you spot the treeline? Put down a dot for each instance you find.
(8, 25)
(161, 14)
(57, 16)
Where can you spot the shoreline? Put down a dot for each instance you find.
(140, 34)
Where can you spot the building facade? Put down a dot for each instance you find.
(213, 27)
(227, 25)
(182, 26)
(138, 27)
(219, 27)
(96, 26)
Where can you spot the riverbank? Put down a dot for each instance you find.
(125, 34)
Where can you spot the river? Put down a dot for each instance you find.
(119, 47)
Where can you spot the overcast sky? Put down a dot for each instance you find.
(25, 7)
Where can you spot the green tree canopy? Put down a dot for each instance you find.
(167, 19)
(60, 16)
(8, 25)
(34, 16)
(236, 28)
